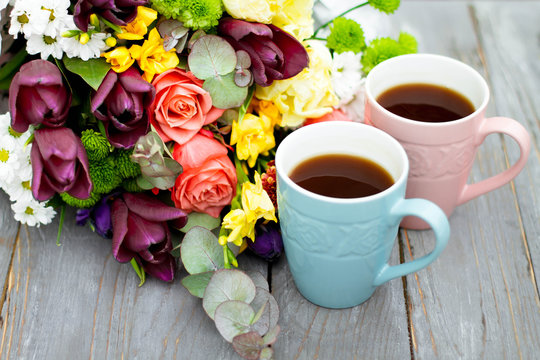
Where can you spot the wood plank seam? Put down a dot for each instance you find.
(5, 288)
(410, 327)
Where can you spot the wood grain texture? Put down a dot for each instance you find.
(8, 237)
(480, 298)
(76, 301)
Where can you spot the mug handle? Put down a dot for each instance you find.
(436, 218)
(513, 129)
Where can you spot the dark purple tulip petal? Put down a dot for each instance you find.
(102, 215)
(119, 223)
(268, 242)
(142, 233)
(118, 12)
(37, 96)
(152, 209)
(238, 29)
(163, 269)
(296, 57)
(59, 164)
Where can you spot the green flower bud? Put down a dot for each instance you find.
(104, 175)
(125, 166)
(346, 35)
(81, 203)
(386, 6)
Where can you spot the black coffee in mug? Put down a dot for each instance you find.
(426, 102)
(341, 176)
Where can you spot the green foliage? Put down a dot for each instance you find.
(131, 185)
(167, 8)
(386, 6)
(127, 168)
(81, 203)
(195, 14)
(201, 252)
(201, 219)
(385, 48)
(97, 146)
(104, 175)
(92, 71)
(346, 35)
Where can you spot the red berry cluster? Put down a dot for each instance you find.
(269, 182)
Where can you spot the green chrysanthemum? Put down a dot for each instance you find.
(346, 35)
(385, 48)
(130, 185)
(81, 204)
(168, 8)
(386, 6)
(126, 168)
(97, 146)
(200, 14)
(104, 175)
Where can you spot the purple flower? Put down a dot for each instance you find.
(99, 216)
(59, 164)
(118, 12)
(140, 231)
(275, 55)
(268, 242)
(121, 102)
(37, 96)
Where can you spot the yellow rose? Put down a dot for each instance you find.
(236, 220)
(152, 57)
(119, 58)
(256, 202)
(306, 95)
(261, 11)
(136, 29)
(254, 135)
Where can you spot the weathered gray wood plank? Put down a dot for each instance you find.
(479, 299)
(8, 236)
(77, 301)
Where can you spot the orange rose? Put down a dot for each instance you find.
(181, 106)
(208, 182)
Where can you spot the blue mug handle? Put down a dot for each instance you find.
(436, 218)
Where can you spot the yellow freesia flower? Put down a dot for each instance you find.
(236, 220)
(306, 95)
(136, 29)
(119, 58)
(152, 57)
(256, 202)
(268, 109)
(254, 135)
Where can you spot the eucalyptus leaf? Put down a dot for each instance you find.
(271, 336)
(266, 354)
(269, 316)
(196, 283)
(211, 56)
(201, 219)
(258, 279)
(144, 183)
(233, 318)
(92, 71)
(224, 92)
(200, 251)
(248, 345)
(227, 285)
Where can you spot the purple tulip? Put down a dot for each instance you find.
(268, 242)
(59, 164)
(37, 96)
(118, 12)
(275, 55)
(140, 231)
(121, 102)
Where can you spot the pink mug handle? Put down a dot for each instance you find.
(513, 129)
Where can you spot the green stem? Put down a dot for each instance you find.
(61, 225)
(340, 15)
(227, 264)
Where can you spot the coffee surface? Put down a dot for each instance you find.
(341, 176)
(426, 103)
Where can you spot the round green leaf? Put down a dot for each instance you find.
(227, 285)
(197, 283)
(267, 312)
(200, 251)
(233, 318)
(224, 91)
(258, 279)
(248, 345)
(211, 56)
(200, 219)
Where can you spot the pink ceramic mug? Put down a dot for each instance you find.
(441, 155)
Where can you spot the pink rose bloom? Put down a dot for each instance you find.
(181, 106)
(336, 115)
(208, 182)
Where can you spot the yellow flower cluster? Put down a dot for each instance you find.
(254, 135)
(307, 95)
(293, 16)
(151, 56)
(256, 204)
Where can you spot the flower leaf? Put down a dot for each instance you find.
(266, 354)
(227, 285)
(271, 336)
(201, 219)
(211, 56)
(224, 91)
(248, 345)
(197, 283)
(92, 71)
(233, 318)
(200, 251)
(267, 318)
(258, 279)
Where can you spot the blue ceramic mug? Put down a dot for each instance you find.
(338, 249)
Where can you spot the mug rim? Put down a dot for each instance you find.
(328, 199)
(432, 57)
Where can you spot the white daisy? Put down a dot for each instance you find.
(44, 45)
(19, 189)
(73, 47)
(7, 130)
(32, 212)
(58, 14)
(9, 159)
(29, 18)
(346, 75)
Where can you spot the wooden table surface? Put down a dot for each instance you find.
(478, 300)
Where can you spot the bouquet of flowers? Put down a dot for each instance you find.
(158, 120)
